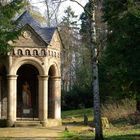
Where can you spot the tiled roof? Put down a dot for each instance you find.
(45, 33)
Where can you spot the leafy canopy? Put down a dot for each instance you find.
(122, 55)
(7, 24)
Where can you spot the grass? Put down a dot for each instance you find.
(118, 110)
(121, 128)
(76, 116)
(123, 125)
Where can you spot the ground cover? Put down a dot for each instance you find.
(122, 126)
(120, 129)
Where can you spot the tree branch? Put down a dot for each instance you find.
(82, 7)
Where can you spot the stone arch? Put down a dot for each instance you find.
(19, 52)
(27, 91)
(35, 52)
(27, 52)
(51, 92)
(43, 52)
(53, 74)
(55, 68)
(32, 61)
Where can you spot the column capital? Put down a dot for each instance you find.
(56, 77)
(43, 77)
(12, 77)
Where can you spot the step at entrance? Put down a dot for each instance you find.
(28, 123)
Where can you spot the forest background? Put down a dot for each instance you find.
(118, 31)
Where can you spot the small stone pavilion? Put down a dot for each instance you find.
(30, 76)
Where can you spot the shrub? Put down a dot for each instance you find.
(118, 110)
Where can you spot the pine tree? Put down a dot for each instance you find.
(68, 30)
(122, 56)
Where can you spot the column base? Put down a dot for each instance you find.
(10, 123)
(54, 122)
(44, 123)
(51, 122)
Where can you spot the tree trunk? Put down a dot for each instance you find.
(97, 112)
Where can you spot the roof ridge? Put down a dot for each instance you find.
(28, 16)
(46, 33)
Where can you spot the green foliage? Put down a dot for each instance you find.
(76, 65)
(120, 63)
(85, 26)
(68, 19)
(77, 113)
(7, 26)
(80, 96)
(77, 98)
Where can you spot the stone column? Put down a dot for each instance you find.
(0, 97)
(40, 111)
(43, 99)
(57, 97)
(12, 102)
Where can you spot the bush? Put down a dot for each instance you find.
(77, 98)
(118, 110)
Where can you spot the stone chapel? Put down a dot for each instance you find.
(30, 76)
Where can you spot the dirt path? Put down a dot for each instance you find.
(23, 133)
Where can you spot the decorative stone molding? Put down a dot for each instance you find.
(26, 34)
(35, 52)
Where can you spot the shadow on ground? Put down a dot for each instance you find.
(124, 137)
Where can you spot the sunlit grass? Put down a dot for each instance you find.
(77, 116)
(120, 130)
(77, 113)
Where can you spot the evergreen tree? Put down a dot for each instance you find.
(69, 32)
(7, 24)
(122, 56)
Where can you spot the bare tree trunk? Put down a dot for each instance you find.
(97, 112)
(94, 47)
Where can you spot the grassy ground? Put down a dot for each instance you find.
(124, 127)
(118, 130)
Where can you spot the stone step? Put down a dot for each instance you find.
(26, 123)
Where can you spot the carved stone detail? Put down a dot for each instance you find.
(35, 52)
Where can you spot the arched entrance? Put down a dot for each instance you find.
(3, 92)
(51, 92)
(27, 92)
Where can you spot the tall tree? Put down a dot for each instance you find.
(94, 45)
(7, 13)
(68, 30)
(122, 56)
